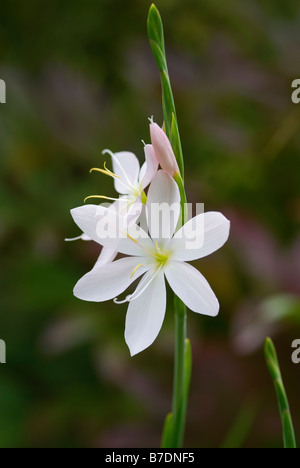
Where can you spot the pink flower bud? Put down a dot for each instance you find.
(163, 149)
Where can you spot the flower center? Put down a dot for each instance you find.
(136, 191)
(161, 256)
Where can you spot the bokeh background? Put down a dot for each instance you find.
(80, 78)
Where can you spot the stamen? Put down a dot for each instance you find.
(73, 239)
(109, 173)
(131, 238)
(104, 171)
(147, 250)
(151, 119)
(130, 186)
(122, 302)
(161, 256)
(134, 296)
(102, 197)
(157, 247)
(136, 268)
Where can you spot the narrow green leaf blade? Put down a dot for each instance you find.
(167, 435)
(155, 28)
(158, 55)
(286, 419)
(188, 369)
(242, 424)
(176, 144)
(168, 101)
(288, 431)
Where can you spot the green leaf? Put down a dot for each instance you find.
(168, 102)
(167, 435)
(288, 433)
(286, 419)
(155, 28)
(176, 144)
(187, 369)
(158, 55)
(156, 38)
(242, 424)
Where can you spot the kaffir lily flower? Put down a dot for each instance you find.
(156, 258)
(163, 149)
(130, 181)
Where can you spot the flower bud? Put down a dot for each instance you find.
(163, 149)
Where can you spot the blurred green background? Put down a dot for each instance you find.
(80, 78)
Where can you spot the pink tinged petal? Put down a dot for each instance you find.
(107, 282)
(146, 314)
(163, 149)
(106, 227)
(192, 288)
(163, 206)
(106, 256)
(149, 168)
(200, 236)
(127, 167)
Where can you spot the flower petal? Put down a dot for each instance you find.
(107, 282)
(163, 149)
(192, 288)
(149, 168)
(129, 207)
(106, 227)
(127, 167)
(106, 256)
(146, 314)
(200, 236)
(163, 206)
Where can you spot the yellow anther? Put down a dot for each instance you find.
(136, 268)
(131, 238)
(161, 256)
(157, 247)
(110, 172)
(105, 171)
(98, 196)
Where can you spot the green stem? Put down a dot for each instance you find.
(289, 440)
(157, 43)
(179, 402)
(175, 423)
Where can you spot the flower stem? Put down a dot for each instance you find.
(179, 400)
(157, 43)
(175, 423)
(283, 404)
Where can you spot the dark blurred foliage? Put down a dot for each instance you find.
(80, 78)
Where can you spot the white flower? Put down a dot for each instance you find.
(130, 180)
(157, 258)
